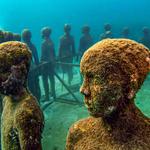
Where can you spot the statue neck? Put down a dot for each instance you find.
(123, 117)
(20, 95)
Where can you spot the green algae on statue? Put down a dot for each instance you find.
(22, 118)
(113, 72)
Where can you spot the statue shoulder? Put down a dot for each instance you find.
(79, 130)
(62, 37)
(29, 112)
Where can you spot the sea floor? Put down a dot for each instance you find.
(59, 115)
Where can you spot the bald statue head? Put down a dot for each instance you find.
(85, 29)
(15, 60)
(67, 28)
(113, 71)
(26, 35)
(46, 32)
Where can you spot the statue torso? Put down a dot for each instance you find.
(90, 134)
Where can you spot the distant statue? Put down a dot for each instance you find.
(1, 36)
(26, 37)
(8, 36)
(125, 32)
(22, 118)
(107, 32)
(48, 55)
(33, 79)
(86, 40)
(67, 52)
(145, 40)
(113, 71)
(16, 37)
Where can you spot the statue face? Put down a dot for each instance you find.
(14, 65)
(100, 96)
(4, 74)
(11, 82)
(5, 71)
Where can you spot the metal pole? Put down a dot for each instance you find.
(66, 87)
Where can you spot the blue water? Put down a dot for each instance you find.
(16, 15)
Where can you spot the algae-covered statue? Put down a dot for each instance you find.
(22, 119)
(113, 72)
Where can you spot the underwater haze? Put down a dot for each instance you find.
(16, 15)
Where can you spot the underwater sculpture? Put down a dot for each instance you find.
(145, 39)
(67, 52)
(125, 33)
(113, 72)
(86, 40)
(8, 36)
(107, 32)
(1, 36)
(48, 55)
(16, 37)
(33, 77)
(22, 118)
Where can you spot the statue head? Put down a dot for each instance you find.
(16, 37)
(26, 35)
(113, 71)
(67, 28)
(107, 27)
(8, 36)
(15, 60)
(145, 30)
(85, 29)
(1, 36)
(46, 31)
(125, 31)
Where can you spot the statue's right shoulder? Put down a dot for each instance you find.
(78, 130)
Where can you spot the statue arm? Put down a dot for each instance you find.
(81, 43)
(42, 52)
(70, 139)
(73, 47)
(73, 137)
(29, 132)
(60, 49)
(53, 52)
(35, 55)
